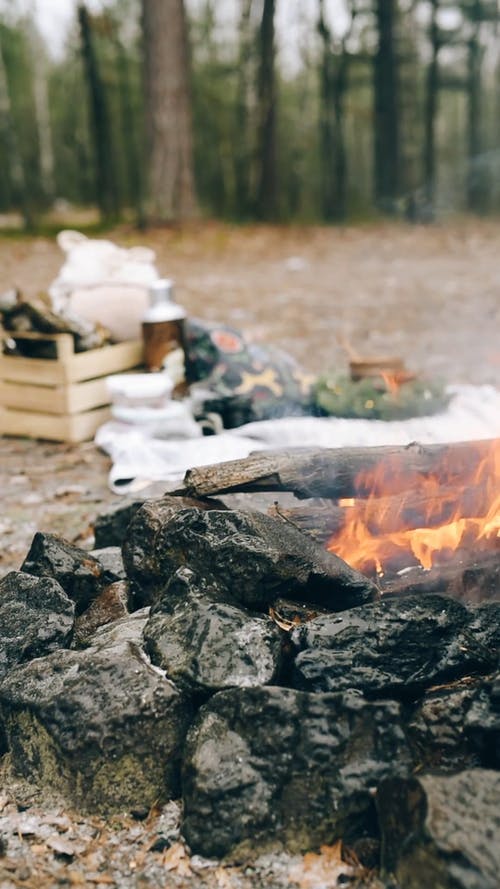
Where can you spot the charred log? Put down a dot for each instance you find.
(474, 579)
(340, 472)
(322, 518)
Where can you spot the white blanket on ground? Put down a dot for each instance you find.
(473, 413)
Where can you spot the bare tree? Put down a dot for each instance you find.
(267, 189)
(106, 187)
(168, 111)
(334, 71)
(387, 159)
(242, 149)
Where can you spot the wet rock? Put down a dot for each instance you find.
(389, 647)
(102, 726)
(255, 558)
(435, 729)
(482, 722)
(142, 546)
(442, 831)
(205, 645)
(485, 626)
(109, 606)
(273, 764)
(36, 618)
(111, 560)
(80, 574)
(110, 527)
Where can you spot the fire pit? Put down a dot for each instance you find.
(391, 512)
(235, 660)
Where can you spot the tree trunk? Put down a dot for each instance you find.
(42, 108)
(16, 178)
(386, 108)
(106, 191)
(130, 133)
(168, 111)
(242, 148)
(267, 193)
(430, 112)
(477, 187)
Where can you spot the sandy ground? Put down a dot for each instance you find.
(431, 295)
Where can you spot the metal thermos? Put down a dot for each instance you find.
(162, 324)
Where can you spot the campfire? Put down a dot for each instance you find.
(415, 518)
(405, 518)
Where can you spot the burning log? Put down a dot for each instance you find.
(474, 579)
(340, 472)
(323, 519)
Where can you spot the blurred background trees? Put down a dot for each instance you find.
(158, 110)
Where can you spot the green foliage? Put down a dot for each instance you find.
(369, 399)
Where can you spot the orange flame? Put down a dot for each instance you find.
(428, 523)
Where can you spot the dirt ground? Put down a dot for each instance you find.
(431, 295)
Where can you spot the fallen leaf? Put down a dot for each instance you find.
(281, 622)
(176, 859)
(223, 878)
(321, 870)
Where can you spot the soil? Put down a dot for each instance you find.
(431, 295)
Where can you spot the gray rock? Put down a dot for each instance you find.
(110, 557)
(442, 831)
(128, 629)
(275, 765)
(482, 722)
(255, 558)
(102, 726)
(142, 549)
(80, 575)
(389, 647)
(205, 645)
(110, 527)
(36, 618)
(435, 728)
(485, 625)
(109, 606)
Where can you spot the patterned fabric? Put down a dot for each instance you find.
(246, 382)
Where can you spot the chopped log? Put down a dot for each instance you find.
(340, 472)
(318, 518)
(323, 519)
(472, 579)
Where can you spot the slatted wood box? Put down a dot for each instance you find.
(64, 398)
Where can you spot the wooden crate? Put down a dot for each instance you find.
(61, 399)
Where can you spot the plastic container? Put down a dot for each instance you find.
(162, 325)
(140, 390)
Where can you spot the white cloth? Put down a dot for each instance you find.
(473, 413)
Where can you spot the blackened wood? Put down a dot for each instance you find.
(323, 519)
(471, 579)
(336, 472)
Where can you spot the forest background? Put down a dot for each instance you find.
(158, 111)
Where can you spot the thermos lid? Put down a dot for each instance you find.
(161, 291)
(162, 305)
